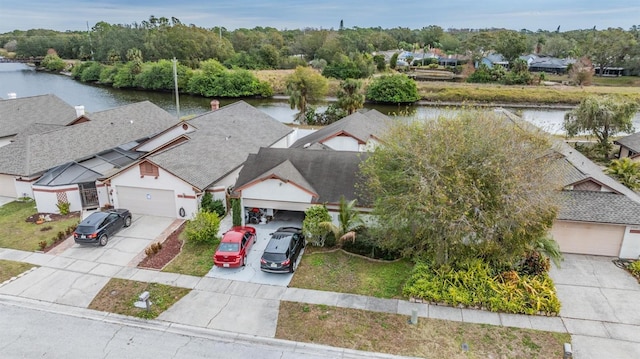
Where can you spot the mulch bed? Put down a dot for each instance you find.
(170, 249)
(54, 216)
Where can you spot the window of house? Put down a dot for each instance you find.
(148, 169)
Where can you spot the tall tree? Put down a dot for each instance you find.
(510, 45)
(303, 86)
(452, 189)
(610, 47)
(350, 98)
(601, 116)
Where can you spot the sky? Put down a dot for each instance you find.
(63, 15)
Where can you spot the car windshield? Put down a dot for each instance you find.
(274, 257)
(228, 247)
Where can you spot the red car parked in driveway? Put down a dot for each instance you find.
(234, 247)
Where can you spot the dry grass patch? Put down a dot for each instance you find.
(430, 338)
(9, 269)
(340, 272)
(119, 295)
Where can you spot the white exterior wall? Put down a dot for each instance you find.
(165, 180)
(46, 198)
(631, 243)
(5, 140)
(8, 186)
(165, 138)
(284, 142)
(276, 190)
(23, 188)
(103, 194)
(343, 143)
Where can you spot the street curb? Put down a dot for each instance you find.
(182, 329)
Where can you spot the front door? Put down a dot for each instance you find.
(89, 195)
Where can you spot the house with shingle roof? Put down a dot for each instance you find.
(629, 146)
(44, 148)
(597, 215)
(294, 179)
(20, 114)
(358, 132)
(205, 153)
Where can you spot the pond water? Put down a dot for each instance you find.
(25, 81)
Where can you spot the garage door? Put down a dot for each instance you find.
(588, 238)
(7, 186)
(154, 202)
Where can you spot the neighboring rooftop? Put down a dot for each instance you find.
(599, 207)
(33, 154)
(17, 115)
(631, 142)
(362, 125)
(221, 143)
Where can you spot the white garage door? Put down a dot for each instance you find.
(588, 238)
(154, 202)
(7, 186)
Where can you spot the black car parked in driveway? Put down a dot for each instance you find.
(99, 226)
(283, 249)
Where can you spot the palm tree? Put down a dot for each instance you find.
(349, 97)
(350, 221)
(303, 86)
(626, 171)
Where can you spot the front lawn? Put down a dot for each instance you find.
(340, 272)
(429, 338)
(9, 269)
(17, 233)
(195, 258)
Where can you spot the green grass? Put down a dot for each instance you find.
(119, 295)
(340, 272)
(9, 269)
(195, 259)
(17, 233)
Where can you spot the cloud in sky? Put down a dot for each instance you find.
(292, 14)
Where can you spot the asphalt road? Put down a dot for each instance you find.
(30, 332)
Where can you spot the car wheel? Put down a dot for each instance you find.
(127, 221)
(244, 261)
(103, 240)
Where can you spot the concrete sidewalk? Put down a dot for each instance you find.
(252, 308)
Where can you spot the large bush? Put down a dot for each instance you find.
(315, 233)
(228, 83)
(91, 73)
(203, 228)
(393, 89)
(159, 76)
(472, 284)
(53, 62)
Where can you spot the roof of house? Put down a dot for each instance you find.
(599, 207)
(221, 143)
(360, 125)
(631, 142)
(327, 174)
(35, 153)
(19, 114)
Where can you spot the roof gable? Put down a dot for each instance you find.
(331, 173)
(221, 142)
(288, 173)
(631, 142)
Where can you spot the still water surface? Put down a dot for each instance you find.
(25, 81)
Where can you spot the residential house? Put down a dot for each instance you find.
(293, 179)
(629, 146)
(42, 149)
(20, 114)
(205, 153)
(359, 132)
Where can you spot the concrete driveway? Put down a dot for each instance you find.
(599, 306)
(251, 272)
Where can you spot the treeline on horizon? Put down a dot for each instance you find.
(268, 48)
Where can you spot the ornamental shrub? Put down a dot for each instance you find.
(313, 231)
(203, 228)
(634, 268)
(53, 62)
(236, 212)
(91, 73)
(393, 89)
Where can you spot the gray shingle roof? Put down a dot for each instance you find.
(599, 207)
(19, 114)
(361, 125)
(222, 141)
(632, 142)
(38, 152)
(331, 173)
